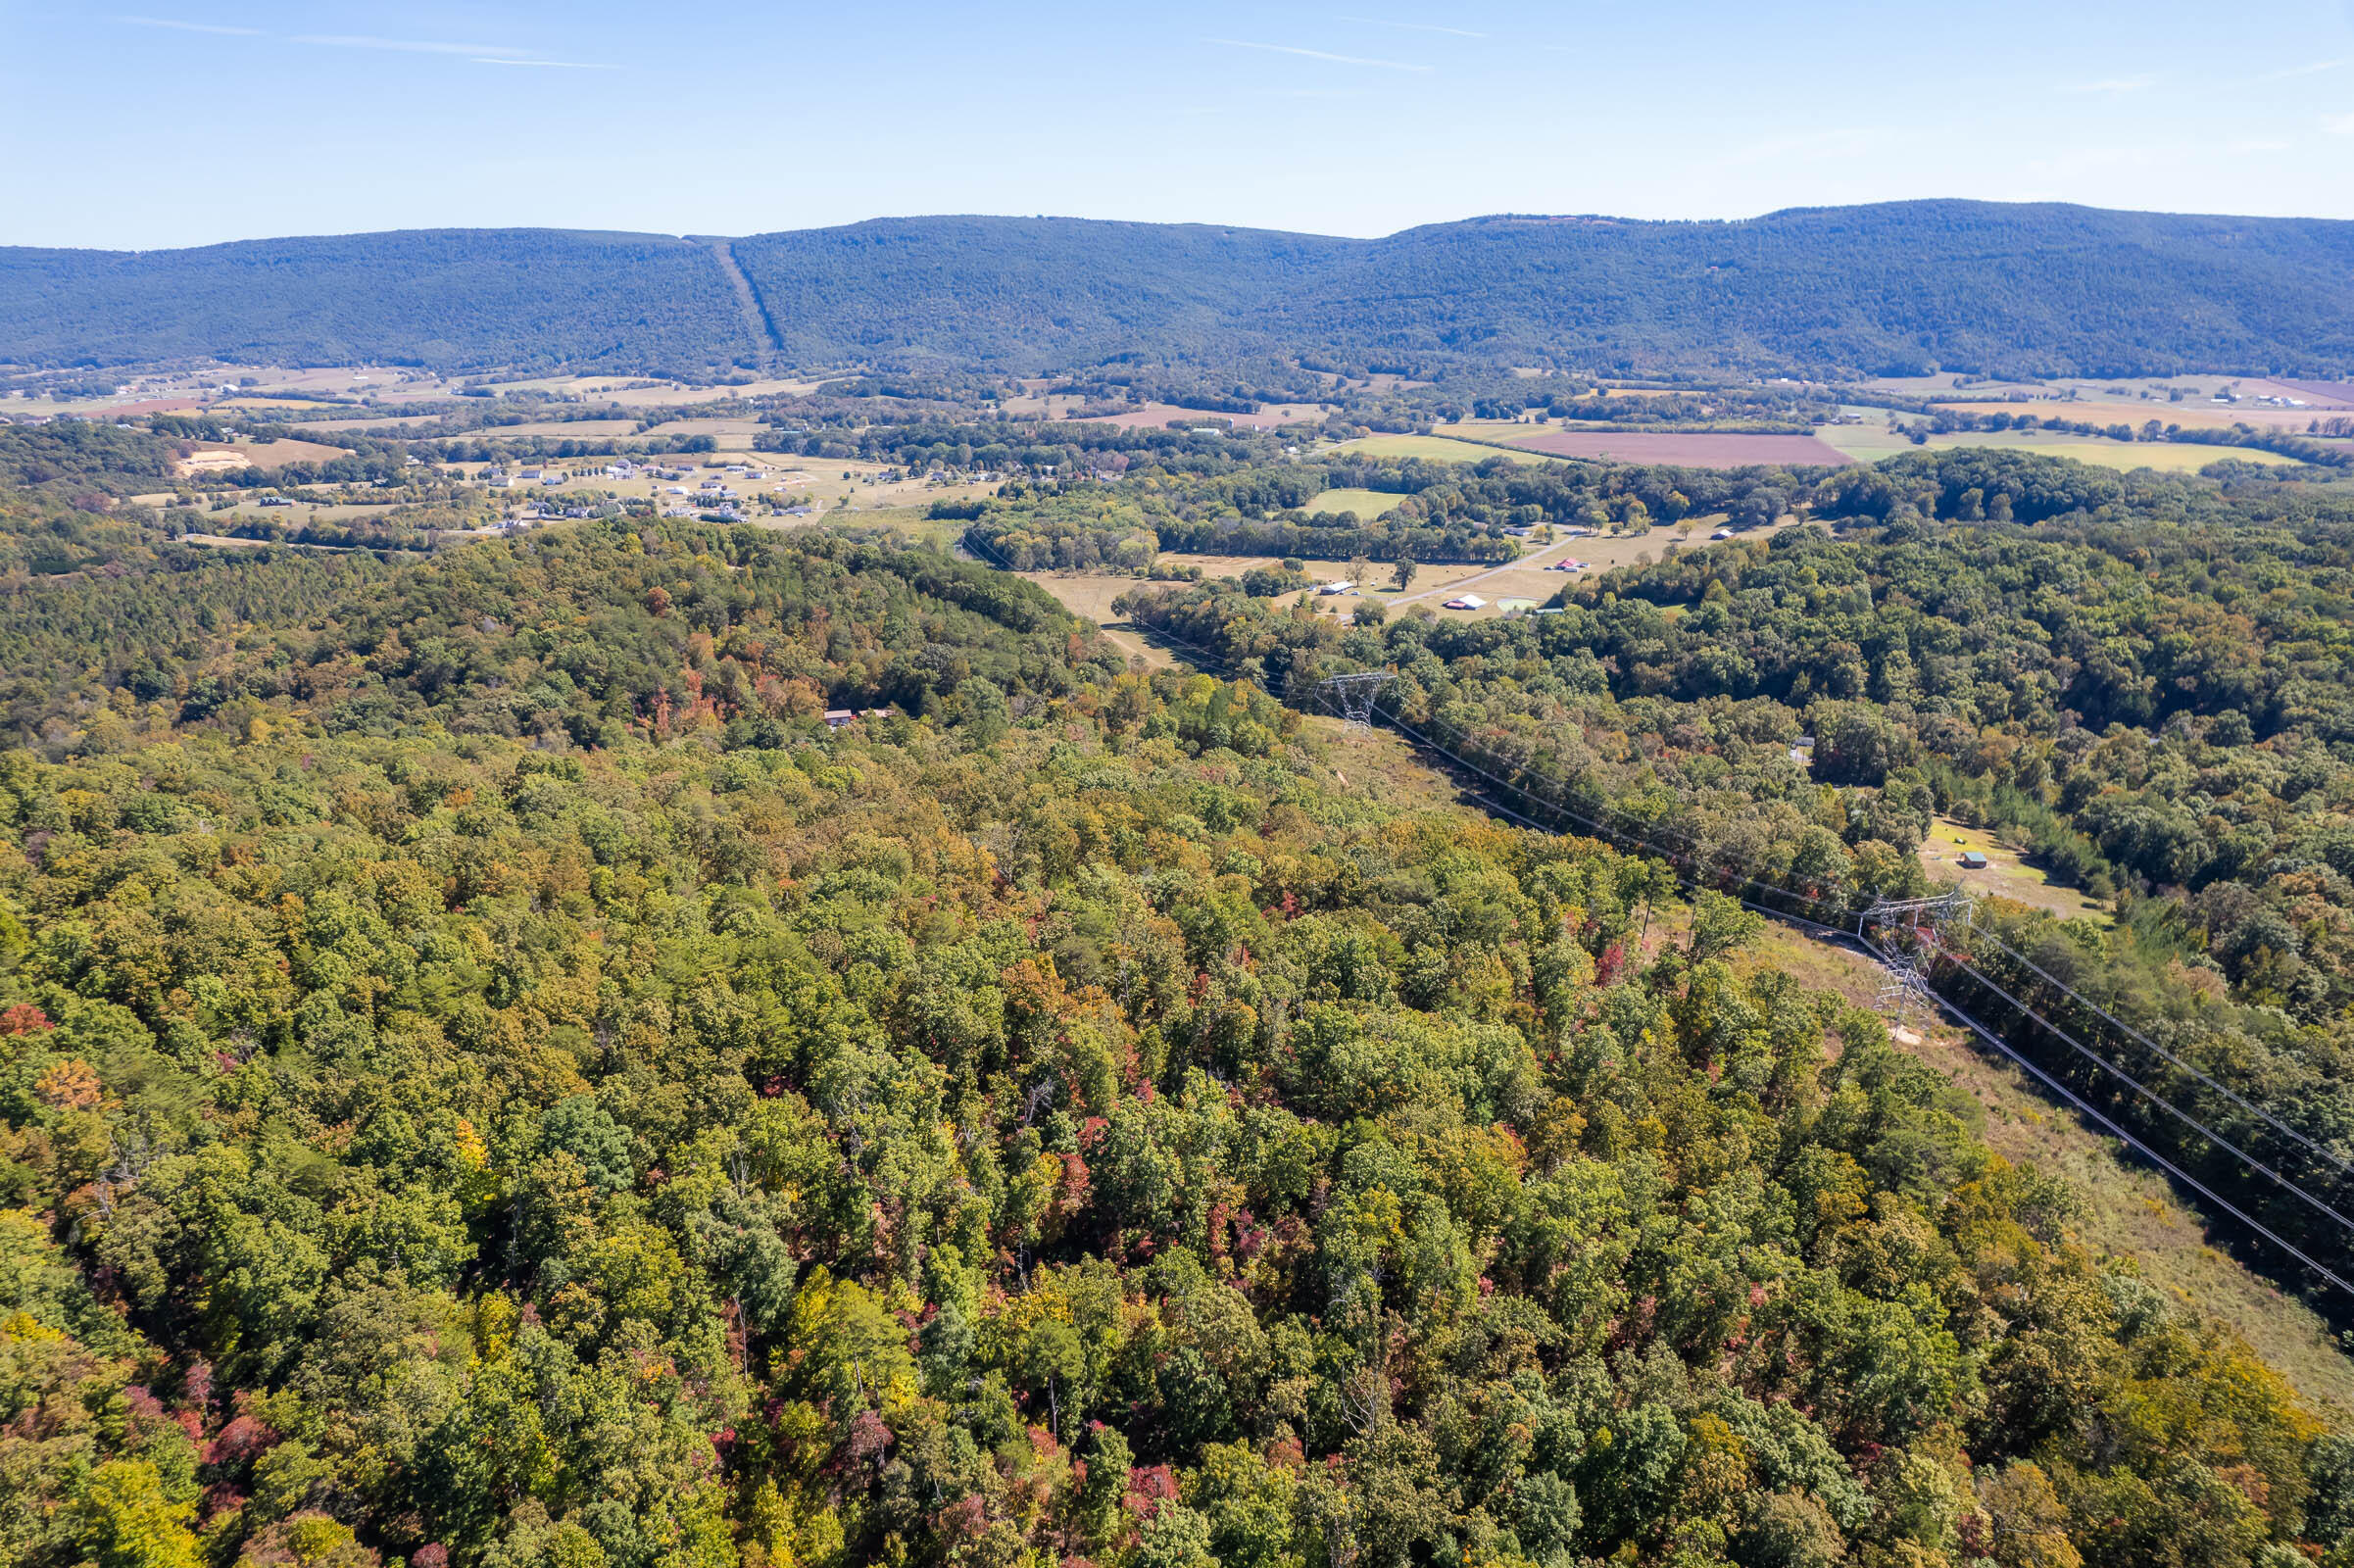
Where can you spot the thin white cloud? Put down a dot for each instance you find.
(2115, 84)
(408, 46)
(2338, 125)
(191, 26)
(479, 54)
(544, 65)
(1317, 54)
(2260, 144)
(2291, 73)
(1413, 27)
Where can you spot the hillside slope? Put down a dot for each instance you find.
(452, 298)
(489, 1077)
(1905, 287)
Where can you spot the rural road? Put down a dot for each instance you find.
(1533, 561)
(1602, 551)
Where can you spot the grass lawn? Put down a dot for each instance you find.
(1365, 504)
(1868, 442)
(1500, 429)
(2005, 875)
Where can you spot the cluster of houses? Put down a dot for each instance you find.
(709, 494)
(501, 478)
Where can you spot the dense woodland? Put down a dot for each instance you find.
(2147, 688)
(486, 1077)
(1198, 309)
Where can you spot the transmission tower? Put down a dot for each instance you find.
(1904, 985)
(1356, 693)
(1899, 929)
(1937, 917)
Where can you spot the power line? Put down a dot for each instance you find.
(2141, 1146)
(1690, 847)
(2159, 1099)
(2128, 1079)
(1599, 827)
(2130, 1141)
(1679, 880)
(2226, 1090)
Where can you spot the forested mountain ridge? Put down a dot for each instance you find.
(494, 1081)
(441, 297)
(1900, 286)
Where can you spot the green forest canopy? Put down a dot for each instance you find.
(486, 1077)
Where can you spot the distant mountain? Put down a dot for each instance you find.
(1901, 286)
(450, 298)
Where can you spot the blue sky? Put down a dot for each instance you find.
(161, 123)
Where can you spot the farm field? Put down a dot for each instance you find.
(1930, 385)
(1090, 594)
(396, 425)
(732, 434)
(1437, 449)
(825, 483)
(303, 511)
(230, 455)
(1868, 442)
(618, 390)
(2334, 394)
(2166, 456)
(385, 390)
(1492, 431)
(1690, 449)
(261, 407)
(1871, 442)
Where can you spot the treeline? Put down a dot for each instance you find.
(1042, 448)
(2287, 443)
(1445, 513)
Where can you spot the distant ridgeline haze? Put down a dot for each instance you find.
(1900, 287)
